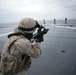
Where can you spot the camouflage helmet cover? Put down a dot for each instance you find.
(27, 23)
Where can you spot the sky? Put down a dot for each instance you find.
(15, 10)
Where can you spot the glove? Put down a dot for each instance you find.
(45, 31)
(40, 36)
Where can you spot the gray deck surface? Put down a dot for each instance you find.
(58, 53)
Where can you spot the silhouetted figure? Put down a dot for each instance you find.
(54, 21)
(43, 21)
(65, 20)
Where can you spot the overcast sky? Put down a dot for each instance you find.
(15, 10)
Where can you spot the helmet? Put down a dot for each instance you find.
(28, 25)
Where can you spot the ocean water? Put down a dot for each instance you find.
(71, 22)
(6, 25)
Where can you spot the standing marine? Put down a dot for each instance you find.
(18, 49)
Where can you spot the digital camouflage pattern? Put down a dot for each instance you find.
(18, 50)
(17, 57)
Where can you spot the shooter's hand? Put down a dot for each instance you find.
(45, 31)
(40, 36)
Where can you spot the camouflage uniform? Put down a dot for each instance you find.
(20, 46)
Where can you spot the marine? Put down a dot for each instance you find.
(18, 49)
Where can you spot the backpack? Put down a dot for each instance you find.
(12, 64)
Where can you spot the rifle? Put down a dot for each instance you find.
(38, 37)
